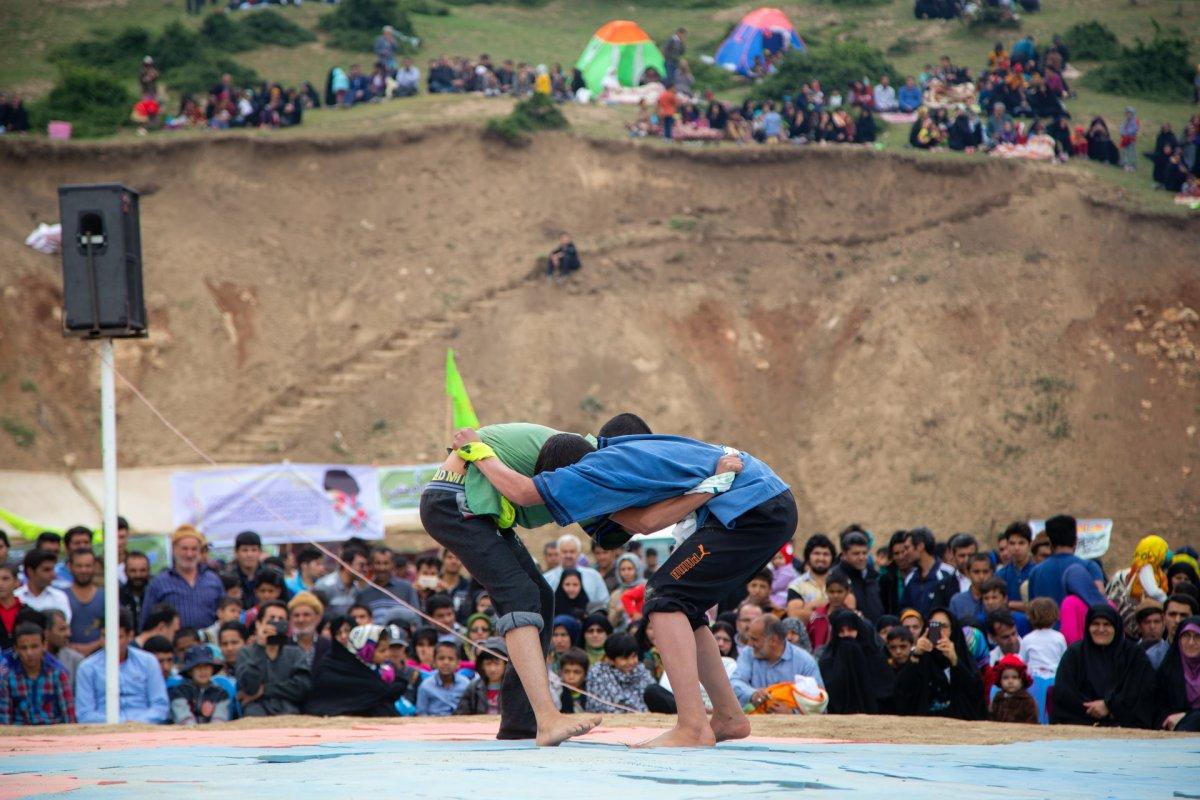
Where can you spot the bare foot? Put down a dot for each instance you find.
(727, 728)
(564, 727)
(678, 737)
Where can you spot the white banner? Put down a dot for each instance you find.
(1094, 535)
(283, 503)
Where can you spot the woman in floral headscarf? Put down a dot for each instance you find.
(355, 680)
(1146, 576)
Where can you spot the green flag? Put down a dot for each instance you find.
(460, 404)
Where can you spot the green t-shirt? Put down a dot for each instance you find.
(517, 445)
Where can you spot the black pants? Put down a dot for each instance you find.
(659, 700)
(715, 560)
(499, 561)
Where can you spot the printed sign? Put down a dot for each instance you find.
(1094, 535)
(400, 487)
(283, 502)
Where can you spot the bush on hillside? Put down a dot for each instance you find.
(710, 76)
(92, 100)
(426, 8)
(1161, 69)
(833, 63)
(120, 53)
(354, 24)
(857, 2)
(221, 32)
(539, 112)
(1091, 41)
(988, 18)
(198, 77)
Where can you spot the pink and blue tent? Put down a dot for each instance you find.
(764, 30)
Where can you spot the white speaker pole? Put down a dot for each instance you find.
(108, 448)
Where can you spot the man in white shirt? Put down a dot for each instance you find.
(569, 549)
(408, 79)
(38, 591)
(885, 96)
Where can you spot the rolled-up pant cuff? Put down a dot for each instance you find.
(519, 619)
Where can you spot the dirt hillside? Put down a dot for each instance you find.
(948, 342)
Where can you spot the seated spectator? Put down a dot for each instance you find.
(941, 680)
(967, 606)
(35, 688)
(1002, 634)
(39, 591)
(143, 695)
(565, 632)
(1179, 607)
(197, 700)
(304, 616)
(184, 639)
(572, 675)
(1177, 690)
(360, 87)
(340, 586)
(995, 598)
(1043, 647)
(424, 644)
(909, 97)
(900, 642)
(383, 608)
(441, 692)
(229, 609)
(965, 133)
(1103, 679)
(854, 667)
(619, 679)
(162, 620)
(273, 674)
(164, 653)
(10, 606)
(725, 635)
(596, 630)
(441, 76)
(1100, 146)
(564, 259)
(355, 679)
(864, 127)
(769, 658)
(188, 585)
(230, 640)
(837, 589)
(758, 591)
(1149, 618)
(480, 627)
(408, 80)
(483, 693)
(628, 569)
(1013, 702)
(797, 634)
(58, 637)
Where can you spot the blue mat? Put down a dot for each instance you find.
(1055, 770)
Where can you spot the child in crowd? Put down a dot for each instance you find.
(782, 573)
(1043, 647)
(1013, 703)
(572, 675)
(185, 639)
(483, 692)
(837, 587)
(758, 591)
(424, 644)
(197, 699)
(620, 678)
(229, 609)
(994, 596)
(441, 692)
(900, 646)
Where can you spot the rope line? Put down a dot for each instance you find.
(322, 548)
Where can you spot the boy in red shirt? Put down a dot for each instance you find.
(837, 587)
(9, 605)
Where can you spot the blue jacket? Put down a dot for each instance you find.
(909, 98)
(634, 471)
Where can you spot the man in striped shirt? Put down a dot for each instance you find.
(34, 687)
(189, 586)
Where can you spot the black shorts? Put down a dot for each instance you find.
(715, 560)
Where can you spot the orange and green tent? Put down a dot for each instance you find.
(620, 46)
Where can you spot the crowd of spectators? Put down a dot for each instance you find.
(1025, 631)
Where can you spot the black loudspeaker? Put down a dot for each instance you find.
(102, 262)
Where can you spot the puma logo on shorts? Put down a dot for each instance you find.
(689, 562)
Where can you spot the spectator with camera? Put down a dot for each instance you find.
(941, 679)
(272, 672)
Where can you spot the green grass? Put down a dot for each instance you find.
(558, 30)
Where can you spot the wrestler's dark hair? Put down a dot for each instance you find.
(625, 424)
(561, 450)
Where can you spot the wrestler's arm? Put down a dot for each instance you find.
(652, 518)
(510, 483)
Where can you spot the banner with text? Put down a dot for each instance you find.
(284, 503)
(1094, 535)
(400, 487)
